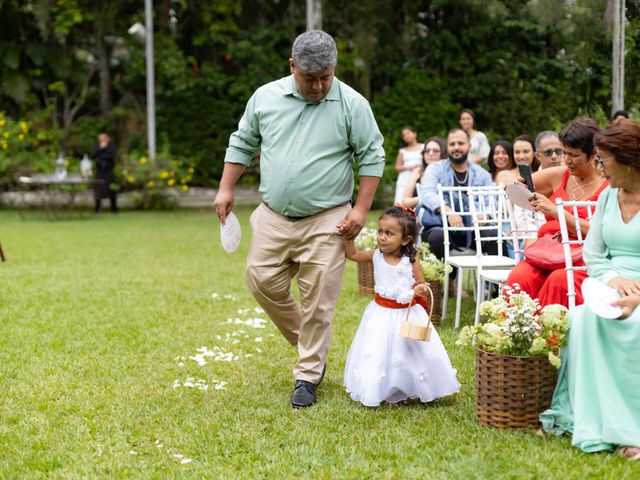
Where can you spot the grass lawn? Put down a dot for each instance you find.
(99, 319)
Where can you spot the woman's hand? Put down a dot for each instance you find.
(625, 286)
(628, 304)
(540, 203)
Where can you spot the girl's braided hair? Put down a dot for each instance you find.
(407, 219)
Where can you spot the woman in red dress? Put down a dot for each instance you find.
(578, 179)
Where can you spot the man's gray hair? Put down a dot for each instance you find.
(314, 50)
(542, 135)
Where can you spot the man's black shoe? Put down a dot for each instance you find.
(304, 394)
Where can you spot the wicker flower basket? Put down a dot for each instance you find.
(366, 283)
(512, 391)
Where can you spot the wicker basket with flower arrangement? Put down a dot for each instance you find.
(517, 356)
(434, 270)
(366, 240)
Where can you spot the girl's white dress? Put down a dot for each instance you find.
(382, 366)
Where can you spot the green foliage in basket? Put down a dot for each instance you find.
(514, 324)
(433, 268)
(367, 239)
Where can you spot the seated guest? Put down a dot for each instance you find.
(524, 151)
(456, 170)
(619, 115)
(434, 151)
(579, 179)
(502, 165)
(527, 221)
(549, 150)
(597, 396)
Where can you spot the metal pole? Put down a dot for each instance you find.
(151, 94)
(314, 14)
(617, 74)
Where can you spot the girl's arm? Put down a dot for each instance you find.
(355, 255)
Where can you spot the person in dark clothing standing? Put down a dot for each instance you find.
(104, 153)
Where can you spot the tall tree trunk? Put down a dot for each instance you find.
(104, 71)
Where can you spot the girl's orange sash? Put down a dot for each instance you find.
(389, 303)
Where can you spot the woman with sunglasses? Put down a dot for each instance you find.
(578, 179)
(597, 397)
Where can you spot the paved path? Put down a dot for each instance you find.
(196, 197)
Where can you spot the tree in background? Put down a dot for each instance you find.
(71, 69)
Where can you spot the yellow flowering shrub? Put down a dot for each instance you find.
(156, 183)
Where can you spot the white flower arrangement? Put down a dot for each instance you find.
(517, 325)
(367, 239)
(433, 268)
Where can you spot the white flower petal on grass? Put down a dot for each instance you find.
(191, 382)
(258, 350)
(178, 455)
(158, 444)
(133, 452)
(215, 295)
(186, 460)
(259, 339)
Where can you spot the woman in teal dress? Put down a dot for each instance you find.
(597, 397)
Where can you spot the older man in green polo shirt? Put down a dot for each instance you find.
(309, 127)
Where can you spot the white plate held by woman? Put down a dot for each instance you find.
(598, 297)
(230, 233)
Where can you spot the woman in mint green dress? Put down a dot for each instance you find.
(597, 397)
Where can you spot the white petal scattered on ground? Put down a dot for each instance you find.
(186, 460)
(158, 444)
(256, 322)
(200, 384)
(191, 382)
(227, 296)
(259, 339)
(181, 364)
(178, 455)
(133, 452)
(247, 355)
(258, 350)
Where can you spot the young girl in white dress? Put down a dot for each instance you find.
(382, 366)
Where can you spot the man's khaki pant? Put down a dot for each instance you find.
(312, 248)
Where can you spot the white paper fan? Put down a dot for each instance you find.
(598, 297)
(230, 233)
